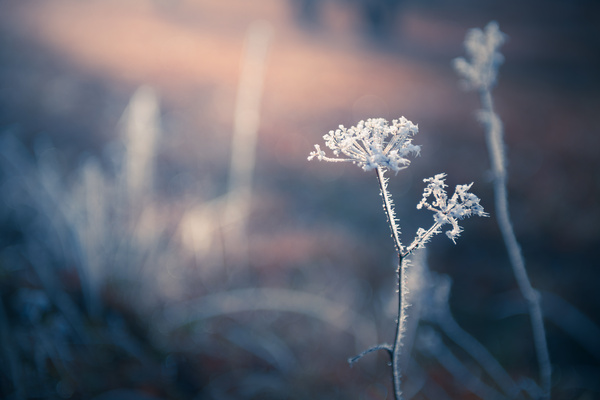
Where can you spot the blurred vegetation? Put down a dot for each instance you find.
(127, 269)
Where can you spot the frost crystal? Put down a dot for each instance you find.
(482, 48)
(372, 144)
(462, 204)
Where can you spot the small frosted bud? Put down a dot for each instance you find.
(480, 68)
(446, 210)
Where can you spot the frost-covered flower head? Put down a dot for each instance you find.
(371, 144)
(482, 49)
(462, 204)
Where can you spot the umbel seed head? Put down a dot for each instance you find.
(372, 144)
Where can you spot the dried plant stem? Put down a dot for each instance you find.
(245, 135)
(419, 243)
(396, 348)
(388, 208)
(496, 149)
(477, 351)
(400, 327)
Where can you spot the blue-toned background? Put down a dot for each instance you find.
(163, 235)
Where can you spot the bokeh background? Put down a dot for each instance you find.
(163, 235)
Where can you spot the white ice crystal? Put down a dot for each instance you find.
(371, 144)
(482, 48)
(462, 204)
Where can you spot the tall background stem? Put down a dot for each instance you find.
(495, 145)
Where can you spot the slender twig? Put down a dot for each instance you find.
(402, 287)
(388, 207)
(478, 352)
(480, 73)
(568, 318)
(436, 348)
(438, 312)
(384, 346)
(496, 150)
(400, 327)
(420, 242)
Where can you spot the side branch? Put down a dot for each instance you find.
(384, 346)
(420, 240)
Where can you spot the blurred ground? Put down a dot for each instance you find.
(69, 68)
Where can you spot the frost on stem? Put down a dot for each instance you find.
(462, 204)
(377, 145)
(482, 49)
(480, 74)
(371, 144)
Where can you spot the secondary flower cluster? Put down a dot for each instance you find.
(372, 144)
(462, 204)
(375, 144)
(482, 48)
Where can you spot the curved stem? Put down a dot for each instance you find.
(385, 347)
(477, 351)
(496, 149)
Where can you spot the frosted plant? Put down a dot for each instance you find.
(372, 144)
(482, 48)
(447, 211)
(480, 74)
(375, 144)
